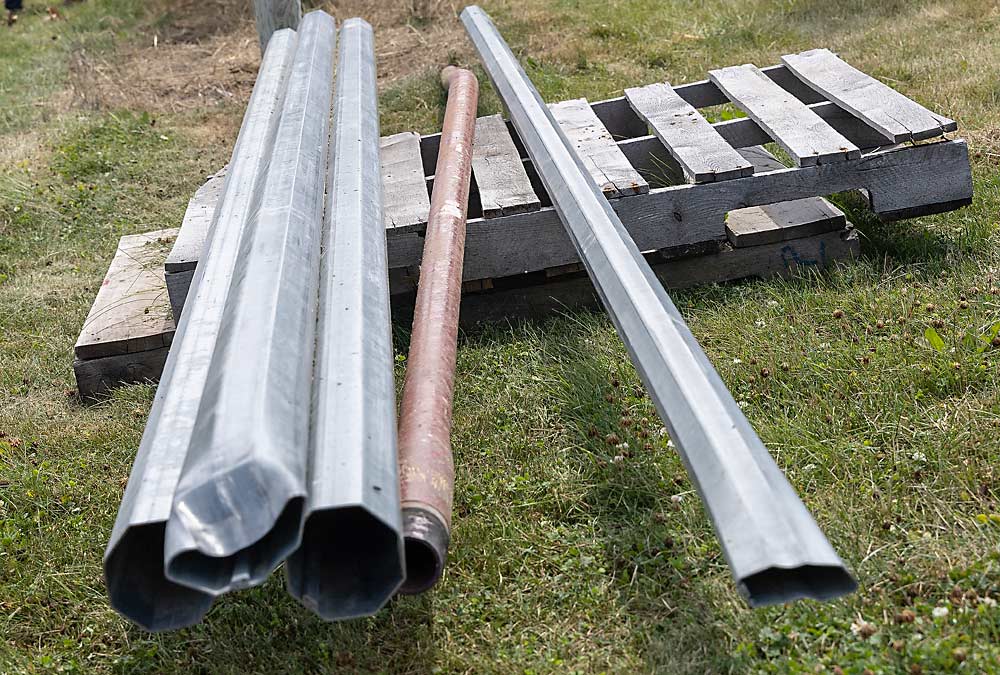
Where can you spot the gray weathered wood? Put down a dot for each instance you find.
(797, 129)
(178, 285)
(194, 228)
(97, 377)
(932, 177)
(702, 153)
(503, 183)
(404, 190)
(271, 15)
(576, 291)
(131, 312)
(772, 223)
(894, 116)
(597, 149)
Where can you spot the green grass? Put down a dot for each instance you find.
(572, 551)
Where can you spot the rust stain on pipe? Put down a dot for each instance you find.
(427, 472)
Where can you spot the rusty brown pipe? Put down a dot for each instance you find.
(426, 469)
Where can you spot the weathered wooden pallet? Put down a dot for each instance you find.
(683, 185)
(130, 326)
(705, 201)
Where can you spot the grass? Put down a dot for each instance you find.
(571, 553)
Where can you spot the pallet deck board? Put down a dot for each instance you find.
(131, 312)
(892, 114)
(597, 149)
(701, 152)
(404, 187)
(798, 130)
(504, 186)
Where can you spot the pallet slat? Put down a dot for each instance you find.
(403, 185)
(895, 116)
(504, 187)
(597, 149)
(702, 153)
(797, 129)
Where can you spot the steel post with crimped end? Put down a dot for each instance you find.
(134, 560)
(351, 558)
(427, 473)
(238, 506)
(776, 551)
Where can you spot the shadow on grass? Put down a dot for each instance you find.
(662, 557)
(264, 630)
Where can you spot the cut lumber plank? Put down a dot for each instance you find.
(178, 270)
(131, 312)
(404, 189)
(798, 130)
(194, 228)
(701, 152)
(503, 183)
(597, 149)
(772, 223)
(895, 116)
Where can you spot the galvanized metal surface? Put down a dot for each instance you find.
(237, 510)
(774, 547)
(351, 559)
(133, 561)
(427, 472)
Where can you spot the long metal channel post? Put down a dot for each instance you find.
(426, 468)
(238, 506)
(133, 561)
(776, 551)
(351, 559)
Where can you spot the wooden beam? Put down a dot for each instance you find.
(932, 178)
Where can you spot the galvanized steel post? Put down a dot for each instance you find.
(351, 559)
(239, 501)
(774, 547)
(134, 559)
(427, 472)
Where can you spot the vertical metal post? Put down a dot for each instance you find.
(238, 506)
(272, 15)
(133, 561)
(351, 559)
(776, 551)
(427, 473)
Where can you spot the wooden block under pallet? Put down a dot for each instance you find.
(129, 329)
